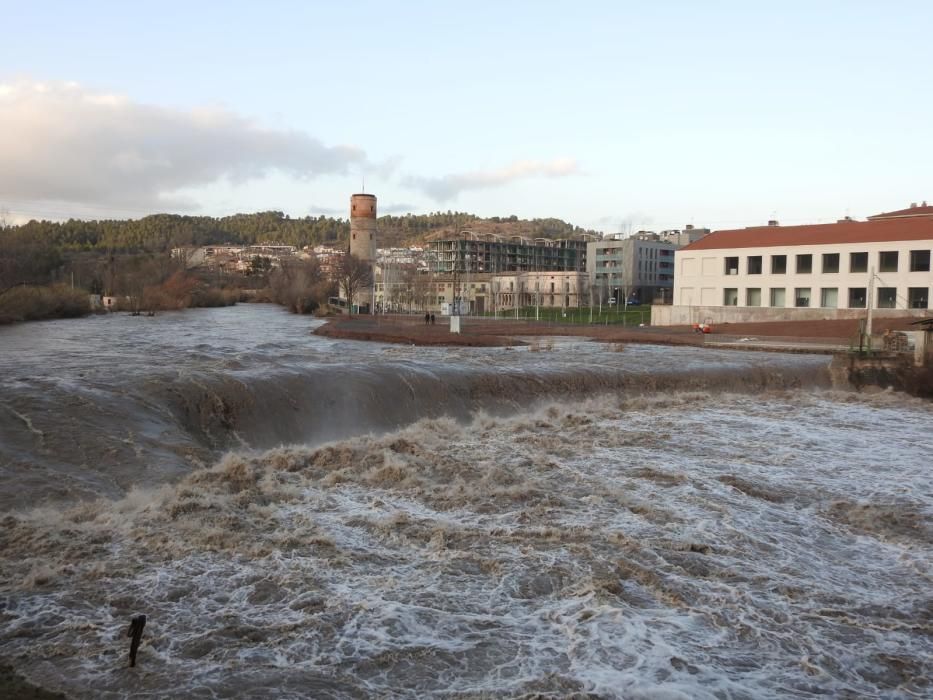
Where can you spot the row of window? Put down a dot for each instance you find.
(887, 297)
(858, 262)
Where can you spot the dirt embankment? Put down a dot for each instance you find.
(482, 332)
(488, 332)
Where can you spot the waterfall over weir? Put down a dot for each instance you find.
(302, 517)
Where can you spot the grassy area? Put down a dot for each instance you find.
(608, 316)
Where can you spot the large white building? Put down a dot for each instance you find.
(806, 272)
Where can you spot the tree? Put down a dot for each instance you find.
(299, 285)
(259, 265)
(24, 259)
(354, 275)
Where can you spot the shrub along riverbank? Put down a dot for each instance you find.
(30, 303)
(42, 303)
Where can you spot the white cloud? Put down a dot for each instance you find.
(449, 186)
(398, 208)
(60, 142)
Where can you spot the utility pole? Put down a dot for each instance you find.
(871, 286)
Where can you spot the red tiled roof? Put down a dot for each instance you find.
(909, 211)
(878, 231)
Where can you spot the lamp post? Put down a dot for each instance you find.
(466, 286)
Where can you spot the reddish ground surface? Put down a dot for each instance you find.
(493, 332)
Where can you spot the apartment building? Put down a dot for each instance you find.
(480, 253)
(567, 290)
(806, 272)
(638, 268)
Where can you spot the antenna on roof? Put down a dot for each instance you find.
(363, 184)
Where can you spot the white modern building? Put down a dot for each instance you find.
(819, 271)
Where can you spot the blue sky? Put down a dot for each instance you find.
(611, 115)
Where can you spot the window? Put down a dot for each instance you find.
(804, 265)
(830, 263)
(918, 297)
(829, 297)
(920, 262)
(802, 295)
(778, 264)
(887, 297)
(752, 297)
(732, 266)
(857, 297)
(778, 297)
(858, 262)
(730, 297)
(887, 261)
(754, 264)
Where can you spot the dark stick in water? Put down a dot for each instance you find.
(137, 623)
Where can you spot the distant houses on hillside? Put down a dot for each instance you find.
(761, 273)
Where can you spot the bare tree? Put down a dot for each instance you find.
(354, 275)
(300, 286)
(422, 290)
(582, 290)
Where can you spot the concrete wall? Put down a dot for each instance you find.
(680, 315)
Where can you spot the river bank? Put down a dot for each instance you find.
(786, 336)
(488, 332)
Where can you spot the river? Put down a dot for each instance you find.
(307, 517)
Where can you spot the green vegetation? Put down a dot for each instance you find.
(130, 259)
(608, 315)
(162, 232)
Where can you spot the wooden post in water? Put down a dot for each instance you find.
(135, 633)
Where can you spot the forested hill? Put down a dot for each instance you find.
(161, 232)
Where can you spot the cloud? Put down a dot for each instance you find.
(398, 208)
(60, 142)
(323, 210)
(449, 186)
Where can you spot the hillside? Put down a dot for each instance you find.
(40, 252)
(161, 232)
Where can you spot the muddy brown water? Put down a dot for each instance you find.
(308, 517)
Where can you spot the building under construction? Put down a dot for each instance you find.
(473, 253)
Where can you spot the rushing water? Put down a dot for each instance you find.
(304, 517)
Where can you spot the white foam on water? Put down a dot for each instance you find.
(676, 545)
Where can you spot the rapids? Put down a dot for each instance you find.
(302, 517)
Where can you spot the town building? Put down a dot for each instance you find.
(479, 293)
(328, 257)
(489, 252)
(637, 268)
(548, 289)
(235, 258)
(820, 271)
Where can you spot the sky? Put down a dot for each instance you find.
(614, 116)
